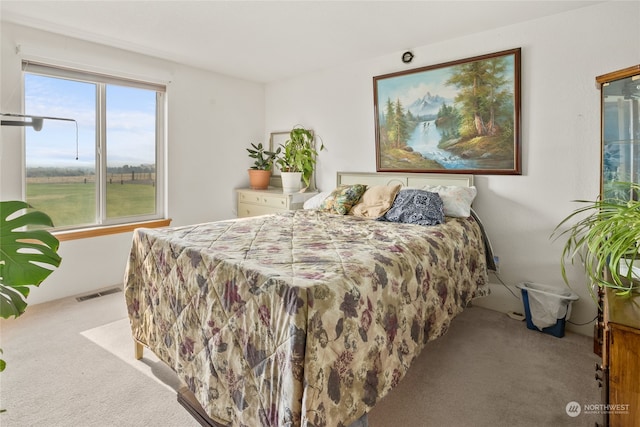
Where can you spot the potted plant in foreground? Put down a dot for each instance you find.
(606, 238)
(260, 172)
(298, 159)
(27, 255)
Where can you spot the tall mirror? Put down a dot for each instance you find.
(620, 96)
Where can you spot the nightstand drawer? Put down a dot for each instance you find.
(272, 200)
(250, 209)
(262, 202)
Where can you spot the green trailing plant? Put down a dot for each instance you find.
(263, 158)
(605, 236)
(28, 255)
(299, 153)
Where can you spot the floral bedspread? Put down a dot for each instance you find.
(301, 318)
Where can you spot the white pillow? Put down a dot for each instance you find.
(457, 200)
(316, 201)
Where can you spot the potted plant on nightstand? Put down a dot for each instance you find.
(606, 238)
(260, 172)
(298, 159)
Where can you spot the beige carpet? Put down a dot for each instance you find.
(56, 377)
(113, 336)
(72, 364)
(490, 370)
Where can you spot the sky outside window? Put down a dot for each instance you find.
(55, 144)
(130, 125)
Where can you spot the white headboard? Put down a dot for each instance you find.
(417, 180)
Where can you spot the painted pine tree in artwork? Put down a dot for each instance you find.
(396, 125)
(484, 97)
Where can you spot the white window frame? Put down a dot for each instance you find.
(101, 80)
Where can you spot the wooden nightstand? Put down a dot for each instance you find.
(262, 202)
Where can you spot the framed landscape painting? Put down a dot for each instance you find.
(457, 117)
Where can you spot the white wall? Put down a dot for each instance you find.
(561, 56)
(212, 118)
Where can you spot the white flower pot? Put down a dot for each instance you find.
(291, 182)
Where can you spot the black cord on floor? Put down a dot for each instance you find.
(582, 324)
(495, 273)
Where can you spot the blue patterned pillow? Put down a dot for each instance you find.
(414, 206)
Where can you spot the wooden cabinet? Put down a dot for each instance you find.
(621, 360)
(617, 333)
(262, 202)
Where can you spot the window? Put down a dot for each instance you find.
(106, 168)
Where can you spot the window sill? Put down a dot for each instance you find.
(111, 229)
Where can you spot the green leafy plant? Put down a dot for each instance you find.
(605, 236)
(263, 158)
(28, 255)
(299, 153)
(25, 253)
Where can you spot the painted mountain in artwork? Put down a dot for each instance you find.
(428, 105)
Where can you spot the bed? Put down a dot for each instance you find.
(302, 318)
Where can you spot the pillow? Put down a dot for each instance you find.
(343, 198)
(316, 201)
(413, 206)
(457, 200)
(375, 201)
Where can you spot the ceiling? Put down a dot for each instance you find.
(266, 41)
